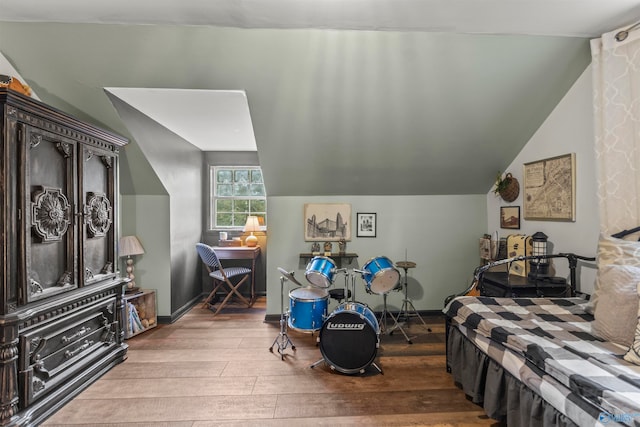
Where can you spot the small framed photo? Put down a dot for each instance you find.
(510, 217)
(366, 223)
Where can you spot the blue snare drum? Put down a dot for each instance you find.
(350, 338)
(320, 271)
(307, 308)
(380, 275)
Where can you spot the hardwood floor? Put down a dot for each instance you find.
(205, 371)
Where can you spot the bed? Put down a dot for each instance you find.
(546, 361)
(534, 361)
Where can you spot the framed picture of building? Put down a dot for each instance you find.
(327, 222)
(510, 217)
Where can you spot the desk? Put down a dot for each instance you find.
(241, 252)
(503, 284)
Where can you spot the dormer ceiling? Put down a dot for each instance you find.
(351, 97)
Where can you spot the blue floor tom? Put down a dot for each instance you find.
(307, 308)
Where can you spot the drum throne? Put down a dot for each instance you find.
(339, 294)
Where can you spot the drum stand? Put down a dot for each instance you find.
(282, 339)
(396, 325)
(408, 309)
(362, 371)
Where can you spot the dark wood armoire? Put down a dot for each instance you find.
(61, 290)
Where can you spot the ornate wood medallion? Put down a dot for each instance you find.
(50, 214)
(98, 213)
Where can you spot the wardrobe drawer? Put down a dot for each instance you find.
(66, 356)
(53, 352)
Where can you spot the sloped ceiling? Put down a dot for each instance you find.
(212, 120)
(573, 18)
(346, 97)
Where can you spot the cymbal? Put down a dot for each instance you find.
(289, 276)
(406, 264)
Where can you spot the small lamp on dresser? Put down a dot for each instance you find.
(130, 246)
(251, 226)
(539, 268)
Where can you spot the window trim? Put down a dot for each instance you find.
(213, 197)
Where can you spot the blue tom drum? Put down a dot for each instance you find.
(380, 275)
(320, 271)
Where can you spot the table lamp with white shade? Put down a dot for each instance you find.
(251, 226)
(130, 246)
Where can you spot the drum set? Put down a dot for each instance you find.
(349, 336)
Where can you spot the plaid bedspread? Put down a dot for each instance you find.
(547, 344)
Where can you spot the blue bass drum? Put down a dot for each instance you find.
(380, 275)
(307, 308)
(320, 271)
(350, 338)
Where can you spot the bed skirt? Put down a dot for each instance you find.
(502, 396)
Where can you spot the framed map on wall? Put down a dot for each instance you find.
(550, 189)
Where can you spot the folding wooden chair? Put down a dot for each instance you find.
(222, 277)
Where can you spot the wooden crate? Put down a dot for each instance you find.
(139, 314)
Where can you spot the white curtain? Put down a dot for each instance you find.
(616, 89)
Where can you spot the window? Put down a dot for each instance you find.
(237, 192)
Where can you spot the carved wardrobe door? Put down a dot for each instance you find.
(49, 206)
(60, 299)
(97, 177)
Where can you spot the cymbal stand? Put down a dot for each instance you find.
(396, 325)
(353, 287)
(347, 293)
(347, 276)
(408, 309)
(282, 339)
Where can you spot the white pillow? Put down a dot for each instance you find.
(633, 355)
(612, 251)
(616, 313)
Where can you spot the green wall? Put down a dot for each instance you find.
(175, 167)
(151, 269)
(439, 233)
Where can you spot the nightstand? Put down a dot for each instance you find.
(503, 284)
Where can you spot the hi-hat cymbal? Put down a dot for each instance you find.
(406, 264)
(289, 276)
